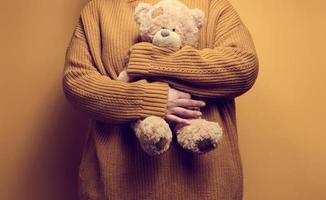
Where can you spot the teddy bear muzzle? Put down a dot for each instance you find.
(167, 38)
(165, 33)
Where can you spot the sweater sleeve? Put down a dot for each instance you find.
(94, 92)
(226, 70)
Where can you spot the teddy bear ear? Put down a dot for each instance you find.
(199, 16)
(140, 11)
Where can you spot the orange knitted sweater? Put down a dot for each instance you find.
(223, 67)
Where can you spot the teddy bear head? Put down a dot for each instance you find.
(169, 23)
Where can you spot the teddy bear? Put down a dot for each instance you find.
(170, 23)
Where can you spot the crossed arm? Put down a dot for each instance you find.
(226, 70)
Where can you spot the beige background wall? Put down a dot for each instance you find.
(281, 121)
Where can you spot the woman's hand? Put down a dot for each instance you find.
(181, 107)
(123, 76)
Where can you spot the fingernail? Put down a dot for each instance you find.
(198, 113)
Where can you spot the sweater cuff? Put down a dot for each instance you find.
(140, 59)
(143, 56)
(155, 99)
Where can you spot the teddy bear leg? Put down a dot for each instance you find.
(153, 134)
(200, 136)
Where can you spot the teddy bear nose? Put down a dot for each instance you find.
(165, 33)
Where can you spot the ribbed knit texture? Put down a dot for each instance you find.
(223, 67)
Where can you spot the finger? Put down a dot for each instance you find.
(193, 108)
(175, 119)
(186, 113)
(189, 103)
(183, 95)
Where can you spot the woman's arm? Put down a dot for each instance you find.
(226, 70)
(86, 87)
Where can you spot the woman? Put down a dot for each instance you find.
(113, 165)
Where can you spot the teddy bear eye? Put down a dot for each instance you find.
(173, 29)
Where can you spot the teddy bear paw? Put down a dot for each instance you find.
(200, 136)
(154, 135)
(205, 145)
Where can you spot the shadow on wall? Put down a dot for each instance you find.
(41, 134)
(51, 171)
